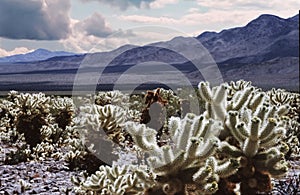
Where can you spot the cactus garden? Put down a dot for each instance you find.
(234, 138)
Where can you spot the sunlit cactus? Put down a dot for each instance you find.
(186, 159)
(279, 96)
(215, 100)
(31, 111)
(115, 180)
(97, 128)
(111, 97)
(237, 86)
(63, 111)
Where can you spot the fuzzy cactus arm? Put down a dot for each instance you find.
(228, 150)
(221, 94)
(202, 174)
(228, 168)
(274, 159)
(250, 147)
(170, 167)
(174, 127)
(205, 91)
(201, 177)
(210, 129)
(271, 112)
(208, 149)
(185, 132)
(210, 188)
(283, 110)
(219, 111)
(242, 98)
(232, 124)
(193, 146)
(278, 172)
(261, 112)
(272, 138)
(254, 130)
(268, 128)
(265, 155)
(215, 100)
(167, 153)
(256, 101)
(198, 126)
(243, 130)
(144, 137)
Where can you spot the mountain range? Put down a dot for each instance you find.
(265, 51)
(37, 55)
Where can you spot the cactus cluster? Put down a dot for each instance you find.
(253, 131)
(187, 158)
(240, 139)
(35, 124)
(114, 180)
(237, 140)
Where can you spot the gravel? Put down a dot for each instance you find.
(45, 177)
(53, 177)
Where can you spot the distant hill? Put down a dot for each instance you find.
(37, 55)
(265, 51)
(265, 38)
(262, 39)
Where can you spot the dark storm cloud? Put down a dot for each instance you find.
(34, 19)
(94, 25)
(124, 4)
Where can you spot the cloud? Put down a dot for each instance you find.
(193, 10)
(248, 5)
(217, 15)
(190, 19)
(94, 25)
(162, 3)
(149, 19)
(94, 34)
(18, 50)
(124, 4)
(35, 19)
(81, 43)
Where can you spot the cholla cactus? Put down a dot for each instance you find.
(43, 150)
(237, 86)
(63, 110)
(96, 128)
(215, 100)
(107, 119)
(253, 130)
(173, 106)
(52, 133)
(279, 96)
(8, 131)
(136, 102)
(115, 180)
(242, 137)
(112, 97)
(32, 118)
(31, 111)
(185, 160)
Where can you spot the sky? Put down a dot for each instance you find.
(82, 26)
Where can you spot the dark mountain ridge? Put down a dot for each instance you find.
(268, 45)
(262, 39)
